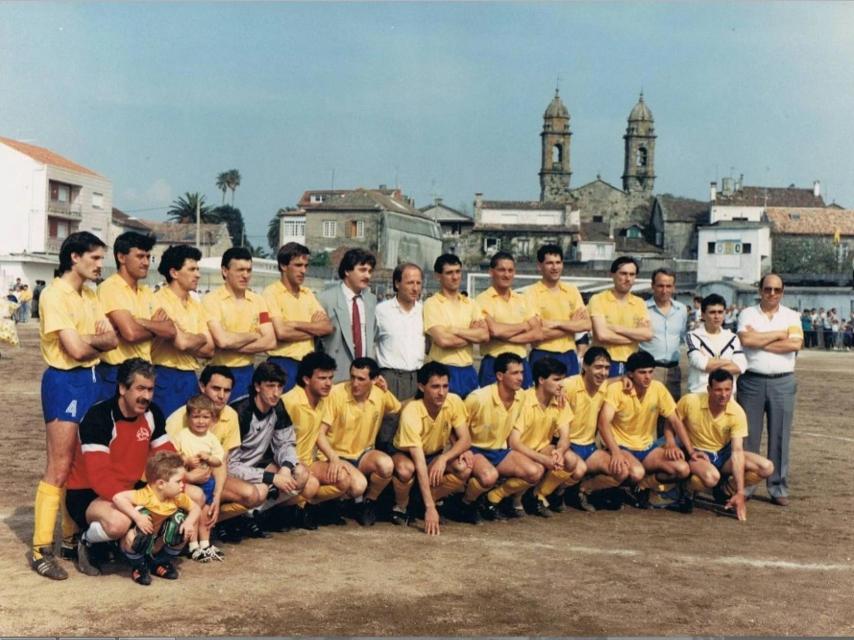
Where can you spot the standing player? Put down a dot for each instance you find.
(176, 360)
(511, 322)
(356, 410)
(620, 318)
(130, 307)
(717, 427)
(494, 412)
(561, 308)
(432, 446)
(238, 320)
(711, 347)
(454, 323)
(297, 316)
(74, 333)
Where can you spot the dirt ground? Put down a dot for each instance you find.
(783, 572)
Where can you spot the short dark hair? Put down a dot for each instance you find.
(498, 257)
(132, 240)
(367, 363)
(712, 299)
(640, 360)
(267, 372)
(770, 273)
(719, 375)
(619, 262)
(505, 359)
(289, 251)
(79, 242)
(174, 258)
(314, 361)
(397, 274)
(235, 253)
(353, 258)
(212, 370)
(431, 369)
(549, 249)
(545, 367)
(594, 353)
(446, 259)
(131, 368)
(662, 272)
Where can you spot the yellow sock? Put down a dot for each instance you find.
(596, 483)
(69, 527)
(401, 491)
(696, 484)
(649, 481)
(301, 502)
(552, 481)
(46, 508)
(751, 478)
(474, 490)
(230, 510)
(326, 492)
(510, 487)
(451, 483)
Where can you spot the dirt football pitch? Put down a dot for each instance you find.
(786, 571)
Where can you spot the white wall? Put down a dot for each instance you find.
(22, 205)
(522, 216)
(96, 220)
(729, 261)
(291, 237)
(588, 251)
(723, 213)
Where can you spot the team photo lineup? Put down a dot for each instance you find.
(178, 423)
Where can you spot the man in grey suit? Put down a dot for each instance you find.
(351, 308)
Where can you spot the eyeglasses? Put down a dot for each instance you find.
(772, 289)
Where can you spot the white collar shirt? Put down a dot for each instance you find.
(400, 342)
(762, 361)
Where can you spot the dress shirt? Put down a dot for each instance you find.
(668, 331)
(760, 360)
(400, 340)
(349, 294)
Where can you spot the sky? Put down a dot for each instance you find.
(441, 99)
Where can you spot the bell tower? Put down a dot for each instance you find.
(639, 171)
(555, 169)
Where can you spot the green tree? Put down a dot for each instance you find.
(232, 180)
(183, 209)
(233, 218)
(257, 252)
(222, 184)
(273, 231)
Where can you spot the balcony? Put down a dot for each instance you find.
(65, 209)
(52, 245)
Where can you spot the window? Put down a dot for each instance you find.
(710, 247)
(745, 247)
(330, 228)
(60, 192)
(522, 246)
(294, 229)
(97, 200)
(491, 246)
(642, 157)
(633, 232)
(557, 156)
(316, 198)
(598, 218)
(357, 228)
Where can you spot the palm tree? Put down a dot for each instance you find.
(184, 209)
(232, 181)
(273, 231)
(257, 252)
(222, 184)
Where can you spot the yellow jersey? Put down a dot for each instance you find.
(705, 431)
(355, 425)
(490, 422)
(418, 429)
(237, 315)
(115, 294)
(628, 312)
(635, 421)
(188, 315)
(513, 310)
(585, 409)
(306, 420)
(556, 303)
(295, 308)
(226, 428)
(440, 311)
(537, 425)
(62, 307)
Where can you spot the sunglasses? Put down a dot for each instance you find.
(772, 289)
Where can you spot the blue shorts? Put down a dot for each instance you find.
(108, 377)
(208, 487)
(355, 461)
(486, 375)
(67, 395)
(290, 367)
(640, 454)
(242, 382)
(463, 380)
(617, 369)
(495, 456)
(583, 451)
(569, 359)
(719, 458)
(173, 387)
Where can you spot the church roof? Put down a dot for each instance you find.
(640, 112)
(556, 108)
(811, 221)
(677, 209)
(770, 197)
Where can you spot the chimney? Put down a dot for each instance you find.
(437, 201)
(713, 191)
(739, 182)
(478, 204)
(816, 188)
(726, 187)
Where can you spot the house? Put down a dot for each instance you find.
(674, 222)
(45, 196)
(383, 221)
(734, 250)
(737, 202)
(454, 224)
(810, 240)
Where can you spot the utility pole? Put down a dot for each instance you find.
(198, 224)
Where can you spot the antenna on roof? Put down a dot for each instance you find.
(332, 188)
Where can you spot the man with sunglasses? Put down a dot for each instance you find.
(771, 335)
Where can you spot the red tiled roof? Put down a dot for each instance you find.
(770, 197)
(45, 156)
(811, 221)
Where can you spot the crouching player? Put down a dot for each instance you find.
(717, 426)
(628, 423)
(165, 518)
(432, 444)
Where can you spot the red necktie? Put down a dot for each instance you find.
(357, 329)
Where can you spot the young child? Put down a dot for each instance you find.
(203, 457)
(159, 511)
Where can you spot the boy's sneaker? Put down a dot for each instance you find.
(200, 555)
(47, 565)
(213, 553)
(85, 562)
(165, 570)
(140, 574)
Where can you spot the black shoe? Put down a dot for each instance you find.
(367, 514)
(140, 574)
(251, 529)
(685, 504)
(510, 511)
(584, 502)
(489, 511)
(228, 532)
(637, 498)
(401, 518)
(47, 565)
(719, 493)
(469, 513)
(280, 519)
(165, 570)
(85, 562)
(543, 510)
(305, 520)
(68, 550)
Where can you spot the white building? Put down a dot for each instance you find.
(737, 202)
(45, 196)
(733, 250)
(291, 226)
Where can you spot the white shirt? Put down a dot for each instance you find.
(703, 346)
(350, 294)
(760, 360)
(400, 342)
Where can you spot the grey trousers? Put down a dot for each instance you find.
(775, 397)
(403, 384)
